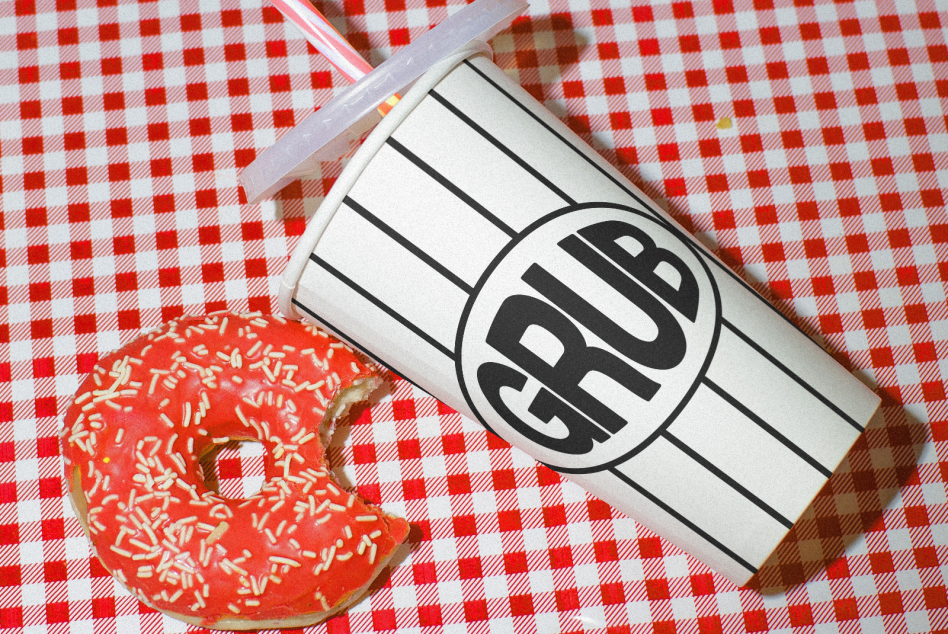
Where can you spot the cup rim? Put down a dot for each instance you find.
(350, 174)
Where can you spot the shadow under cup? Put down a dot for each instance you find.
(480, 249)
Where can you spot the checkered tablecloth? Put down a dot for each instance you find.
(805, 142)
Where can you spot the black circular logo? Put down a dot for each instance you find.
(587, 335)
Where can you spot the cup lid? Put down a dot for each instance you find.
(327, 134)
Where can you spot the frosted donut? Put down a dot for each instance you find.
(301, 549)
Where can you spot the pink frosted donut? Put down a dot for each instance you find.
(296, 552)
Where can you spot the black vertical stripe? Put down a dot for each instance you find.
(560, 137)
(388, 310)
(760, 422)
(451, 187)
(503, 148)
(407, 245)
(790, 373)
(682, 519)
(726, 479)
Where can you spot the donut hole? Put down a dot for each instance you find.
(234, 469)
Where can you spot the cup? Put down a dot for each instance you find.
(477, 247)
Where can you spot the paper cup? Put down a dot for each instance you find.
(478, 248)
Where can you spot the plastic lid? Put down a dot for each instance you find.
(328, 133)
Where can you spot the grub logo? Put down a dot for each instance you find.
(587, 335)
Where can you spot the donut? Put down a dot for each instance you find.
(296, 552)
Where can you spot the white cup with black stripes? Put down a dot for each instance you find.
(477, 247)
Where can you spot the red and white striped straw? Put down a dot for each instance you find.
(327, 40)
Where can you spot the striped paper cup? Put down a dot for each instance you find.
(478, 248)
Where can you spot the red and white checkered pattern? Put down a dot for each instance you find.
(123, 127)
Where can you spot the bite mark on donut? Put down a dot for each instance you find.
(172, 538)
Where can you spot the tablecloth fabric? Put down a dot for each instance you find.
(805, 142)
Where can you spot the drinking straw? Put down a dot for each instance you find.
(327, 40)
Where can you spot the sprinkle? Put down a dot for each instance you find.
(285, 560)
(233, 608)
(372, 553)
(120, 551)
(217, 533)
